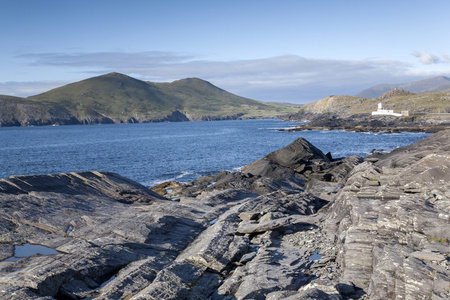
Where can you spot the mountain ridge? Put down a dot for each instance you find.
(434, 84)
(118, 98)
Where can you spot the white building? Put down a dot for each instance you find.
(381, 111)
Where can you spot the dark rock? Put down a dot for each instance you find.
(296, 154)
(346, 289)
(312, 294)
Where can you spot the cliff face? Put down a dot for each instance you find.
(34, 114)
(295, 224)
(21, 112)
(391, 222)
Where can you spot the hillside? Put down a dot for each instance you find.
(16, 111)
(397, 100)
(435, 84)
(117, 98)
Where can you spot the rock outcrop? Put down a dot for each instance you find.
(296, 224)
(368, 123)
(391, 223)
(422, 113)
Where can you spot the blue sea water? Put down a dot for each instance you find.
(156, 152)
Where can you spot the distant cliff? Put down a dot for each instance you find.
(117, 98)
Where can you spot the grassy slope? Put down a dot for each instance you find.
(112, 95)
(16, 108)
(414, 103)
(118, 96)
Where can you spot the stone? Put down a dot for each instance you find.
(245, 216)
(247, 257)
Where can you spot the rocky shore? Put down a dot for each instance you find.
(369, 123)
(33, 115)
(296, 224)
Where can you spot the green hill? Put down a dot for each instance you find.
(117, 98)
(397, 100)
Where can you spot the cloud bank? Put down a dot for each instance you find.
(287, 78)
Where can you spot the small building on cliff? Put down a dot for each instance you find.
(382, 111)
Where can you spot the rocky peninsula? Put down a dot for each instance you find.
(369, 123)
(429, 112)
(296, 224)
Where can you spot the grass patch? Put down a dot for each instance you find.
(443, 240)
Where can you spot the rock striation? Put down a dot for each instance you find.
(296, 224)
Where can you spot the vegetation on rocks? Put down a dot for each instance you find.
(397, 100)
(428, 112)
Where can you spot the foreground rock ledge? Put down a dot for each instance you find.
(296, 224)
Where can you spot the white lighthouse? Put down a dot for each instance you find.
(381, 111)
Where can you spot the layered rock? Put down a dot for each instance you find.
(296, 224)
(391, 221)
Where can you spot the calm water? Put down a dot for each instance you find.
(156, 152)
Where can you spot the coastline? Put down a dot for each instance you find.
(368, 123)
(294, 223)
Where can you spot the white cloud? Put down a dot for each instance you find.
(283, 78)
(24, 89)
(426, 58)
(445, 57)
(105, 59)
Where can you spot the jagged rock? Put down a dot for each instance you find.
(250, 227)
(297, 153)
(217, 246)
(284, 169)
(244, 216)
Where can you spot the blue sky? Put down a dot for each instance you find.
(293, 51)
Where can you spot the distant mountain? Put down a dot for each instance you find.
(435, 84)
(117, 98)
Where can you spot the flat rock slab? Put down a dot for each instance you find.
(428, 255)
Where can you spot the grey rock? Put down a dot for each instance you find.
(296, 154)
(250, 227)
(244, 216)
(247, 257)
(385, 246)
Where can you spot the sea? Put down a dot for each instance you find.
(152, 153)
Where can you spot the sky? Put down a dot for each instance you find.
(287, 50)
